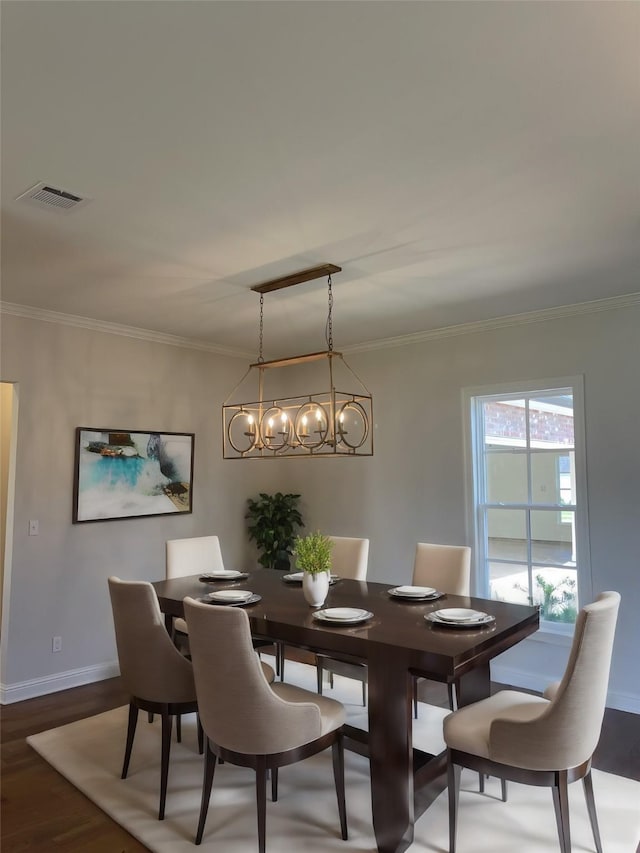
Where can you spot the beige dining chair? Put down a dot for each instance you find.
(201, 555)
(547, 740)
(158, 678)
(246, 721)
(197, 555)
(349, 559)
(446, 568)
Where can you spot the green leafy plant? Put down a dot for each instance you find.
(557, 600)
(313, 553)
(272, 525)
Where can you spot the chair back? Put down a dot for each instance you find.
(151, 666)
(567, 733)
(349, 557)
(194, 556)
(444, 567)
(238, 709)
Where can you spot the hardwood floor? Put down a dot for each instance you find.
(43, 812)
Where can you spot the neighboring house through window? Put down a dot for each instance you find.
(529, 513)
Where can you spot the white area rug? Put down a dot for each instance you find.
(89, 754)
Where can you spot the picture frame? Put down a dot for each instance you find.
(123, 473)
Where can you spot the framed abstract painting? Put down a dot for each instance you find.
(128, 474)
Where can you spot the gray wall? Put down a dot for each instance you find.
(69, 377)
(411, 490)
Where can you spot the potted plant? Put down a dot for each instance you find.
(313, 556)
(272, 524)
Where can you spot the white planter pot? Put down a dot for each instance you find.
(315, 588)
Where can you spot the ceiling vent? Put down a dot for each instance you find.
(45, 195)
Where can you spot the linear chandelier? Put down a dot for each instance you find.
(322, 423)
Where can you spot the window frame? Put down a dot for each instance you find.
(474, 460)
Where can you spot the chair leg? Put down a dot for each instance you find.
(452, 698)
(503, 786)
(561, 807)
(481, 783)
(319, 675)
(587, 784)
(164, 761)
(364, 694)
(261, 800)
(274, 784)
(178, 728)
(150, 716)
(131, 731)
(207, 782)
(415, 698)
(280, 660)
(200, 735)
(453, 783)
(337, 752)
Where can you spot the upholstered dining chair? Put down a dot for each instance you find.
(158, 678)
(201, 555)
(544, 741)
(349, 559)
(246, 721)
(446, 568)
(197, 555)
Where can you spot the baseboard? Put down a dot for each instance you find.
(10, 693)
(534, 681)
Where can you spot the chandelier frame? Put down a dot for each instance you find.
(320, 424)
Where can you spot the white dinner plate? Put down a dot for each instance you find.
(459, 614)
(479, 622)
(342, 615)
(413, 591)
(224, 574)
(228, 595)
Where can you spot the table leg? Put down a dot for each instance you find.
(390, 749)
(474, 685)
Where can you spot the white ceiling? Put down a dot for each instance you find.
(460, 160)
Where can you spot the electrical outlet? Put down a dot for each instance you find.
(34, 527)
(56, 644)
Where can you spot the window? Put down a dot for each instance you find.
(529, 506)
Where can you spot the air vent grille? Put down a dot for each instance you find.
(46, 195)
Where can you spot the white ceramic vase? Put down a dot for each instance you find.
(315, 588)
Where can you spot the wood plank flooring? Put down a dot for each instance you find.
(43, 812)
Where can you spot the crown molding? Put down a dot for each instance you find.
(541, 316)
(116, 329)
(576, 310)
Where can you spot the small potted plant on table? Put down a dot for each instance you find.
(313, 556)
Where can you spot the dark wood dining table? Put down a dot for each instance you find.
(397, 643)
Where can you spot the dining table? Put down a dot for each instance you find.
(397, 641)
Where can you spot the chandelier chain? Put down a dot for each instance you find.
(260, 356)
(330, 318)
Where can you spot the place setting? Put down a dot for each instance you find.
(232, 597)
(415, 593)
(342, 615)
(459, 617)
(223, 575)
(296, 578)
